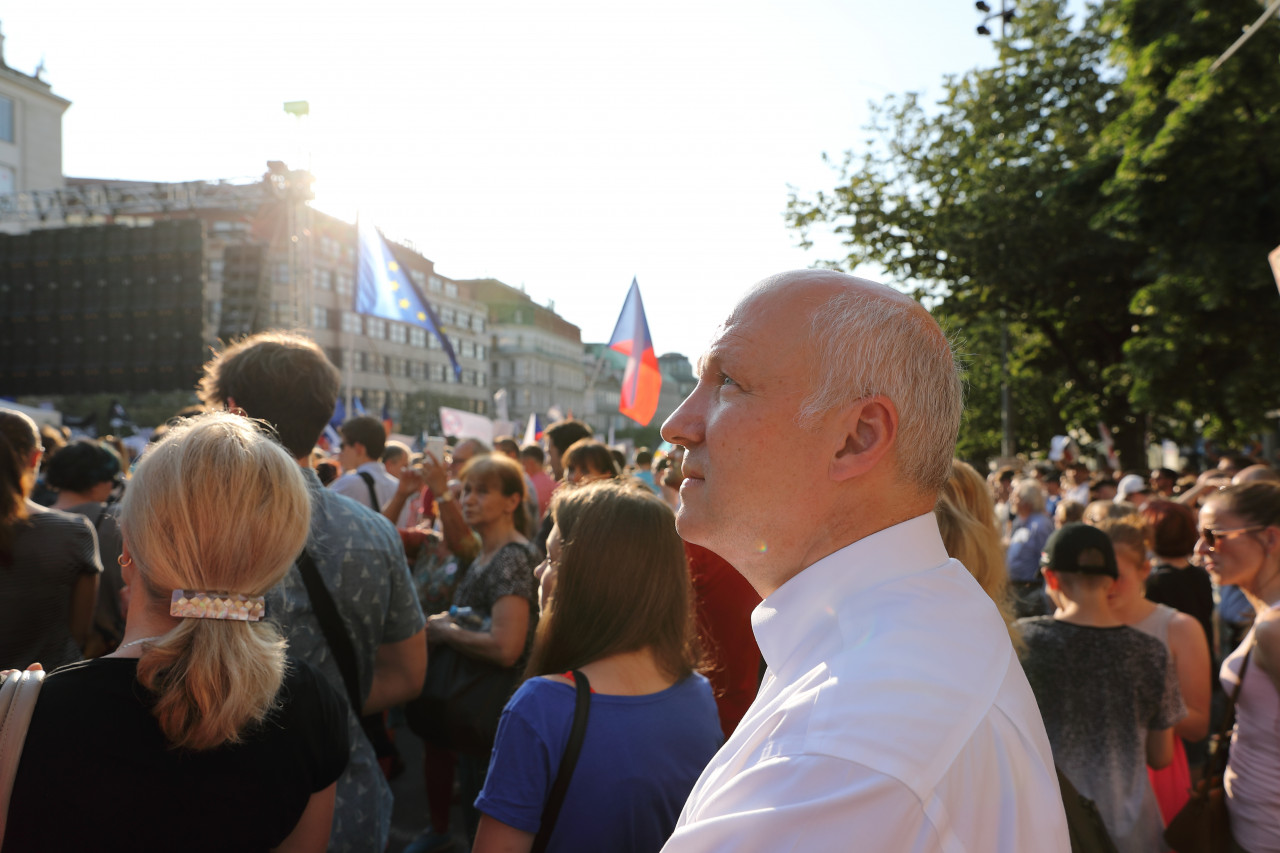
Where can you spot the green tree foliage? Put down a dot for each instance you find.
(1197, 165)
(1026, 197)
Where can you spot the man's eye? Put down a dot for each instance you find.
(725, 379)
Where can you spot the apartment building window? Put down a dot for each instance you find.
(433, 342)
(319, 317)
(399, 367)
(468, 350)
(323, 278)
(375, 328)
(434, 284)
(415, 370)
(437, 372)
(399, 334)
(6, 119)
(419, 277)
(481, 351)
(450, 289)
(351, 322)
(482, 380)
(344, 283)
(477, 323)
(417, 336)
(464, 319)
(446, 315)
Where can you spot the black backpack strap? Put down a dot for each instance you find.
(335, 633)
(373, 493)
(344, 651)
(551, 811)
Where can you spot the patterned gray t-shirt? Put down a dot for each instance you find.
(362, 562)
(1100, 690)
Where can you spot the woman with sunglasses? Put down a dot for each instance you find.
(1240, 544)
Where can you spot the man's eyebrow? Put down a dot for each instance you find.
(708, 360)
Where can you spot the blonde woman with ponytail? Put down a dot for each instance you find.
(197, 733)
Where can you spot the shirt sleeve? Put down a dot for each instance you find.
(805, 802)
(520, 772)
(512, 573)
(404, 612)
(85, 548)
(332, 747)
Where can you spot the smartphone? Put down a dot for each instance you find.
(435, 446)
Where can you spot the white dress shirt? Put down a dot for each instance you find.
(353, 486)
(894, 717)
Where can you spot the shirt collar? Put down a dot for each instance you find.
(801, 621)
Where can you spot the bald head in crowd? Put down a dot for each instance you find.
(859, 385)
(817, 439)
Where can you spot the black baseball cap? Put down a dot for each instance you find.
(1080, 548)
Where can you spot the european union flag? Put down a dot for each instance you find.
(384, 289)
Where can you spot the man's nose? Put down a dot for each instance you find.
(685, 425)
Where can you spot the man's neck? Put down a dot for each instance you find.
(1090, 611)
(770, 572)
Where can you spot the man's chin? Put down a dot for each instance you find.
(689, 525)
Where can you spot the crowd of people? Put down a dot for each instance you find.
(803, 626)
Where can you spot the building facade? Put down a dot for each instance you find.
(537, 354)
(30, 132)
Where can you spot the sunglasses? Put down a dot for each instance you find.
(1211, 537)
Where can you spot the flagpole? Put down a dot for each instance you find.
(355, 278)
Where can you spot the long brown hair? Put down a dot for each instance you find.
(18, 437)
(622, 583)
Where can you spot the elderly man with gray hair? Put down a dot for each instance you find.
(1032, 527)
(894, 714)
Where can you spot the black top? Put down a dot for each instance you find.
(1188, 590)
(97, 774)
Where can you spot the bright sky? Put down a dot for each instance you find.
(562, 146)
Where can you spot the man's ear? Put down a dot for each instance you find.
(867, 429)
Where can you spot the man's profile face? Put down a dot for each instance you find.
(461, 456)
(553, 456)
(672, 475)
(348, 456)
(734, 425)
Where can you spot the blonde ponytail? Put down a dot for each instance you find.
(216, 506)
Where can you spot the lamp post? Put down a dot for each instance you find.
(1005, 15)
(1007, 448)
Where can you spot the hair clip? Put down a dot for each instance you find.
(188, 604)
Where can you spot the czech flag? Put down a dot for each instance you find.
(533, 432)
(642, 381)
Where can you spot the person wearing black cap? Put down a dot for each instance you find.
(1106, 691)
(86, 474)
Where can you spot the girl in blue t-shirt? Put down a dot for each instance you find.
(617, 607)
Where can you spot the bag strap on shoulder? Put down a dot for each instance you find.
(373, 493)
(18, 695)
(551, 811)
(335, 633)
